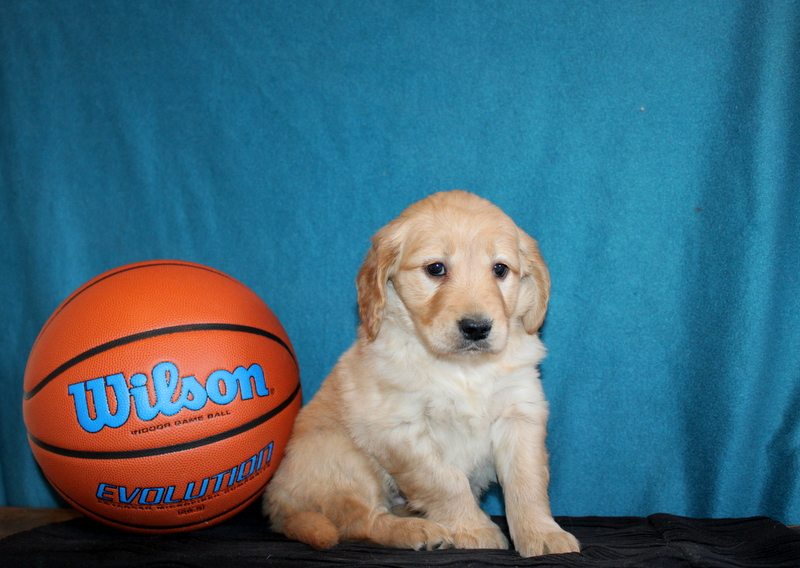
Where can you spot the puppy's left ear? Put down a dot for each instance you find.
(379, 265)
(534, 284)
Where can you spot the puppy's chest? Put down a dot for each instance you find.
(455, 421)
(467, 414)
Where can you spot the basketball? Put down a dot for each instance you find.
(160, 396)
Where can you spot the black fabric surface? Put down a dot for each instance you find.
(657, 541)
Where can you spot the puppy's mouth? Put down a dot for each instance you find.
(481, 346)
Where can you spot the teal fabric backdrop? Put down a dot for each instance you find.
(651, 147)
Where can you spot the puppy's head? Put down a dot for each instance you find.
(454, 270)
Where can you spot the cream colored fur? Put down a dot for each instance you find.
(426, 409)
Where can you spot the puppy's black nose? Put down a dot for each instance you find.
(475, 329)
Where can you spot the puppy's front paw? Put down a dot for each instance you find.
(484, 537)
(555, 541)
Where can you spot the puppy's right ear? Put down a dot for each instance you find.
(379, 266)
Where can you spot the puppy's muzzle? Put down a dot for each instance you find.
(475, 329)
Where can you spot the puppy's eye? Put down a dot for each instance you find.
(437, 269)
(500, 270)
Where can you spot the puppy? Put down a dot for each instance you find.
(438, 397)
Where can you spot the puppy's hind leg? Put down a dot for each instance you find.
(321, 486)
(353, 520)
(326, 501)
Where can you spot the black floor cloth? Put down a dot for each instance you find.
(614, 542)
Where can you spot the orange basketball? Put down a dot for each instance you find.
(160, 396)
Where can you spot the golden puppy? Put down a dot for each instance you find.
(438, 397)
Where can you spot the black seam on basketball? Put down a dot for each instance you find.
(150, 334)
(120, 271)
(149, 452)
(244, 503)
